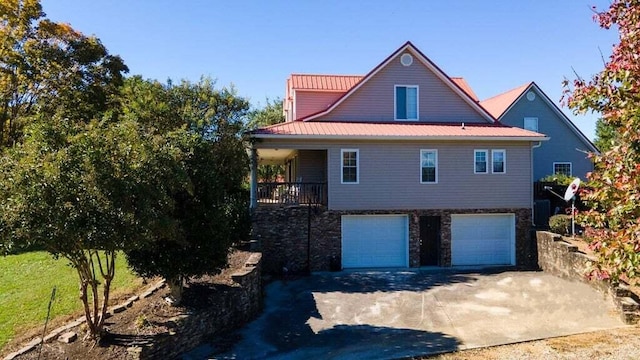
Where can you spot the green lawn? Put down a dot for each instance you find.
(26, 281)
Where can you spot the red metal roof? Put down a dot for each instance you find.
(396, 130)
(498, 104)
(340, 83)
(346, 82)
(462, 83)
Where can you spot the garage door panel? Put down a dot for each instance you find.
(483, 239)
(374, 241)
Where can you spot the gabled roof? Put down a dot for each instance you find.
(342, 83)
(395, 131)
(500, 104)
(427, 63)
(338, 83)
(462, 83)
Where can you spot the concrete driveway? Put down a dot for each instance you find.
(394, 314)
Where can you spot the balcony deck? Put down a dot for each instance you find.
(292, 193)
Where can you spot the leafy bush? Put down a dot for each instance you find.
(559, 179)
(560, 224)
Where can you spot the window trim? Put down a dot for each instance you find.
(504, 161)
(563, 163)
(524, 123)
(435, 151)
(486, 161)
(357, 151)
(395, 102)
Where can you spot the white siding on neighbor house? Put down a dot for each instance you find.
(389, 175)
(563, 146)
(311, 102)
(374, 100)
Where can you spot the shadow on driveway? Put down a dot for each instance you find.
(347, 315)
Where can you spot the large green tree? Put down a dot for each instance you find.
(205, 123)
(48, 67)
(612, 224)
(270, 114)
(86, 191)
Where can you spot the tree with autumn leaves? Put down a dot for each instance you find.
(613, 223)
(48, 67)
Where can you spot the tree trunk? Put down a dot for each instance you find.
(87, 311)
(176, 285)
(95, 314)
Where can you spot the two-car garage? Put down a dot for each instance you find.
(382, 241)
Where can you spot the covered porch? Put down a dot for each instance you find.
(288, 176)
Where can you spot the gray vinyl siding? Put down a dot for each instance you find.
(374, 100)
(390, 176)
(311, 102)
(312, 165)
(563, 146)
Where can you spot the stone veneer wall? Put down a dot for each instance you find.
(226, 311)
(564, 260)
(282, 232)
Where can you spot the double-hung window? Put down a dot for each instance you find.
(406, 102)
(531, 123)
(562, 168)
(499, 161)
(481, 161)
(350, 163)
(429, 166)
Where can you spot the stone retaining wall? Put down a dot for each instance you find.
(284, 233)
(226, 311)
(563, 259)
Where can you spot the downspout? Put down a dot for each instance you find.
(532, 181)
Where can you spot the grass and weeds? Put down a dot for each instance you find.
(26, 281)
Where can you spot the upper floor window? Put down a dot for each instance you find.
(429, 166)
(499, 161)
(350, 163)
(531, 123)
(406, 102)
(481, 160)
(562, 168)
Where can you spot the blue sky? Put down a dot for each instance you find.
(496, 45)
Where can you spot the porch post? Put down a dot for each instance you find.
(254, 178)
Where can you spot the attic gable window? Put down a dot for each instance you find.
(406, 102)
(531, 123)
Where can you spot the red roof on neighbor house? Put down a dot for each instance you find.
(462, 83)
(498, 104)
(341, 83)
(395, 131)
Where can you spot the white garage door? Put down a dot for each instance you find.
(483, 239)
(370, 241)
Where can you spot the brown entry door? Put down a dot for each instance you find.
(429, 240)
